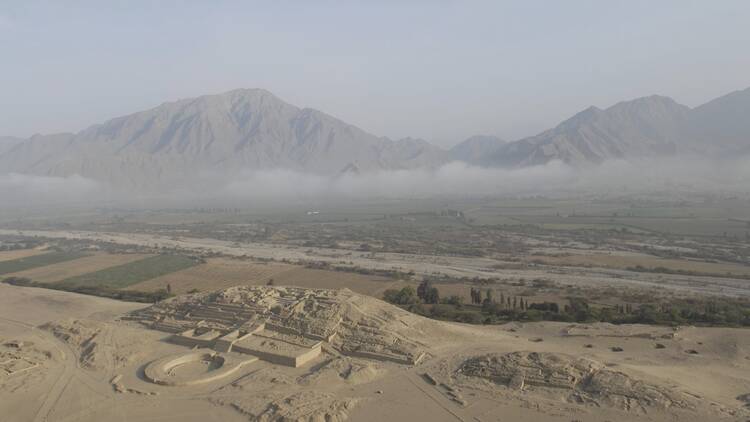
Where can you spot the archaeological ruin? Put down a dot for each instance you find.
(280, 325)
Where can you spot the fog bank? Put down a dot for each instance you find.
(456, 179)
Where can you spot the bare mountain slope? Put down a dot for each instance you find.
(722, 126)
(225, 133)
(477, 149)
(8, 142)
(221, 135)
(644, 127)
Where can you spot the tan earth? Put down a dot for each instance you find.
(219, 273)
(62, 270)
(20, 253)
(67, 357)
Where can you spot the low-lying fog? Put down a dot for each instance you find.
(452, 180)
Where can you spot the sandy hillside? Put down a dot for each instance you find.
(334, 355)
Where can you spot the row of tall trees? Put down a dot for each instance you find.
(509, 302)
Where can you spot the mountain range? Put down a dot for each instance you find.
(251, 129)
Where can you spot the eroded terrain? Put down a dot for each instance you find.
(89, 359)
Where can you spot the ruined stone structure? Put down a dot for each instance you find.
(161, 371)
(17, 357)
(281, 325)
(582, 379)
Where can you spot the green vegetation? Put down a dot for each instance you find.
(664, 270)
(22, 264)
(392, 274)
(125, 295)
(405, 296)
(19, 244)
(125, 275)
(109, 281)
(486, 309)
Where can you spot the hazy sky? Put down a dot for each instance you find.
(440, 70)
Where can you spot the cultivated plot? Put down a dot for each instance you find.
(63, 270)
(20, 253)
(21, 264)
(131, 273)
(218, 273)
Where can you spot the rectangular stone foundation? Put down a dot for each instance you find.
(191, 338)
(277, 351)
(225, 343)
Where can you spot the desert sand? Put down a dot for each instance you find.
(281, 353)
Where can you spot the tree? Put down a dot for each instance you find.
(605, 315)
(432, 296)
(405, 296)
(544, 307)
(488, 296)
(476, 296)
(423, 289)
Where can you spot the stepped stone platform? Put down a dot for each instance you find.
(283, 325)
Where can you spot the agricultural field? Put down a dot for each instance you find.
(215, 273)
(34, 261)
(372, 285)
(698, 217)
(20, 253)
(689, 226)
(77, 267)
(691, 245)
(642, 262)
(134, 272)
(219, 273)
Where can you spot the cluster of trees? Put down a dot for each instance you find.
(18, 245)
(405, 296)
(426, 293)
(486, 309)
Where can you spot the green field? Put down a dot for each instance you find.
(22, 264)
(122, 276)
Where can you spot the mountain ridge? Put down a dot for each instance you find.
(252, 129)
(233, 131)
